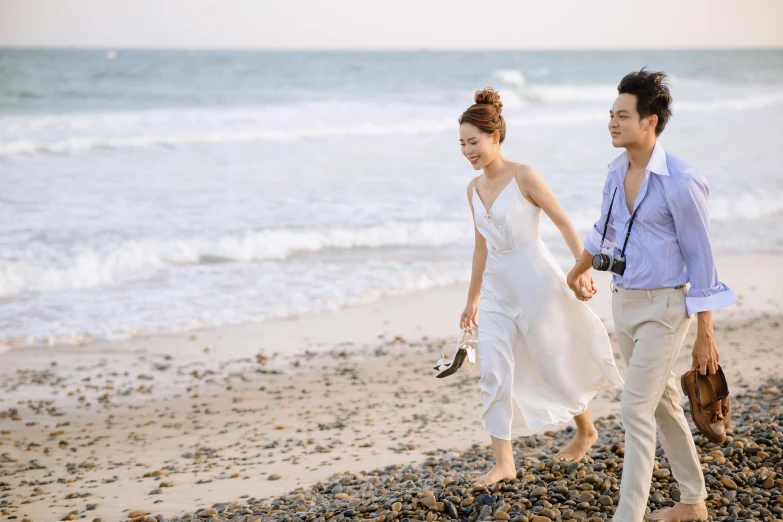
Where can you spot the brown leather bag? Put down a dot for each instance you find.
(710, 404)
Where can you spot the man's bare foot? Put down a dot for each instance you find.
(577, 448)
(682, 512)
(496, 474)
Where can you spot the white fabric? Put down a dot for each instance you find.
(543, 353)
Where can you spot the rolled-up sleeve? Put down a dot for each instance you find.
(593, 241)
(688, 205)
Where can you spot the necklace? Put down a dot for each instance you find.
(486, 180)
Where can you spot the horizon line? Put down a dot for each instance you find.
(383, 49)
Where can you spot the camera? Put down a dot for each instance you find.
(609, 259)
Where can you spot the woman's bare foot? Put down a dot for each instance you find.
(579, 446)
(496, 474)
(680, 511)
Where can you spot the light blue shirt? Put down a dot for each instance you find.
(670, 238)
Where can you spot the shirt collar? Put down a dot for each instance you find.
(657, 163)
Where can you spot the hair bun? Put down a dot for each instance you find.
(489, 96)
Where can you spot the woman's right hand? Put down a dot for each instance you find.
(469, 316)
(582, 284)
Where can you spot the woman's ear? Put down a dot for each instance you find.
(496, 137)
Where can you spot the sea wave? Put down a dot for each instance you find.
(513, 83)
(736, 104)
(75, 133)
(749, 205)
(179, 306)
(74, 145)
(188, 130)
(90, 268)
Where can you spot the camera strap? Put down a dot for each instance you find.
(606, 223)
(628, 234)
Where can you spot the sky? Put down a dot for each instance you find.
(399, 24)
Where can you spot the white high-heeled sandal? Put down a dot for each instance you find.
(466, 349)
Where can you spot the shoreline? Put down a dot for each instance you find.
(751, 275)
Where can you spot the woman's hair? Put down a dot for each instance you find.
(485, 113)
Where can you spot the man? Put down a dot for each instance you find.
(659, 224)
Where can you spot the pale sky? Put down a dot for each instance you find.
(399, 24)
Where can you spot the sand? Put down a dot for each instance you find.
(171, 423)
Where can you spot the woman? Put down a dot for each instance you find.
(543, 353)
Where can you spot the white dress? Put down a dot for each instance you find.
(543, 353)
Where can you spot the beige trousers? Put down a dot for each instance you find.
(651, 327)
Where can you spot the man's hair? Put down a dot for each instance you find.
(652, 95)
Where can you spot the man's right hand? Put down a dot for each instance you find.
(582, 284)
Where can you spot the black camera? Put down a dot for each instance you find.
(610, 259)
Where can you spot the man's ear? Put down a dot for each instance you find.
(653, 121)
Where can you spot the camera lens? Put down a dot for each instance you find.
(601, 262)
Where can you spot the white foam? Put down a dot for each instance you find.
(511, 77)
(732, 104)
(285, 291)
(750, 206)
(75, 145)
(89, 268)
(74, 133)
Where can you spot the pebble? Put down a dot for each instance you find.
(662, 473)
(726, 481)
(428, 501)
(744, 480)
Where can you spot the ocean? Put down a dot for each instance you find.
(152, 191)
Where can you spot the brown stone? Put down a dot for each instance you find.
(662, 473)
(730, 484)
(428, 501)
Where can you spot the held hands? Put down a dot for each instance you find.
(582, 284)
(705, 354)
(469, 316)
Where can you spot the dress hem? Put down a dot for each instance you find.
(523, 431)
